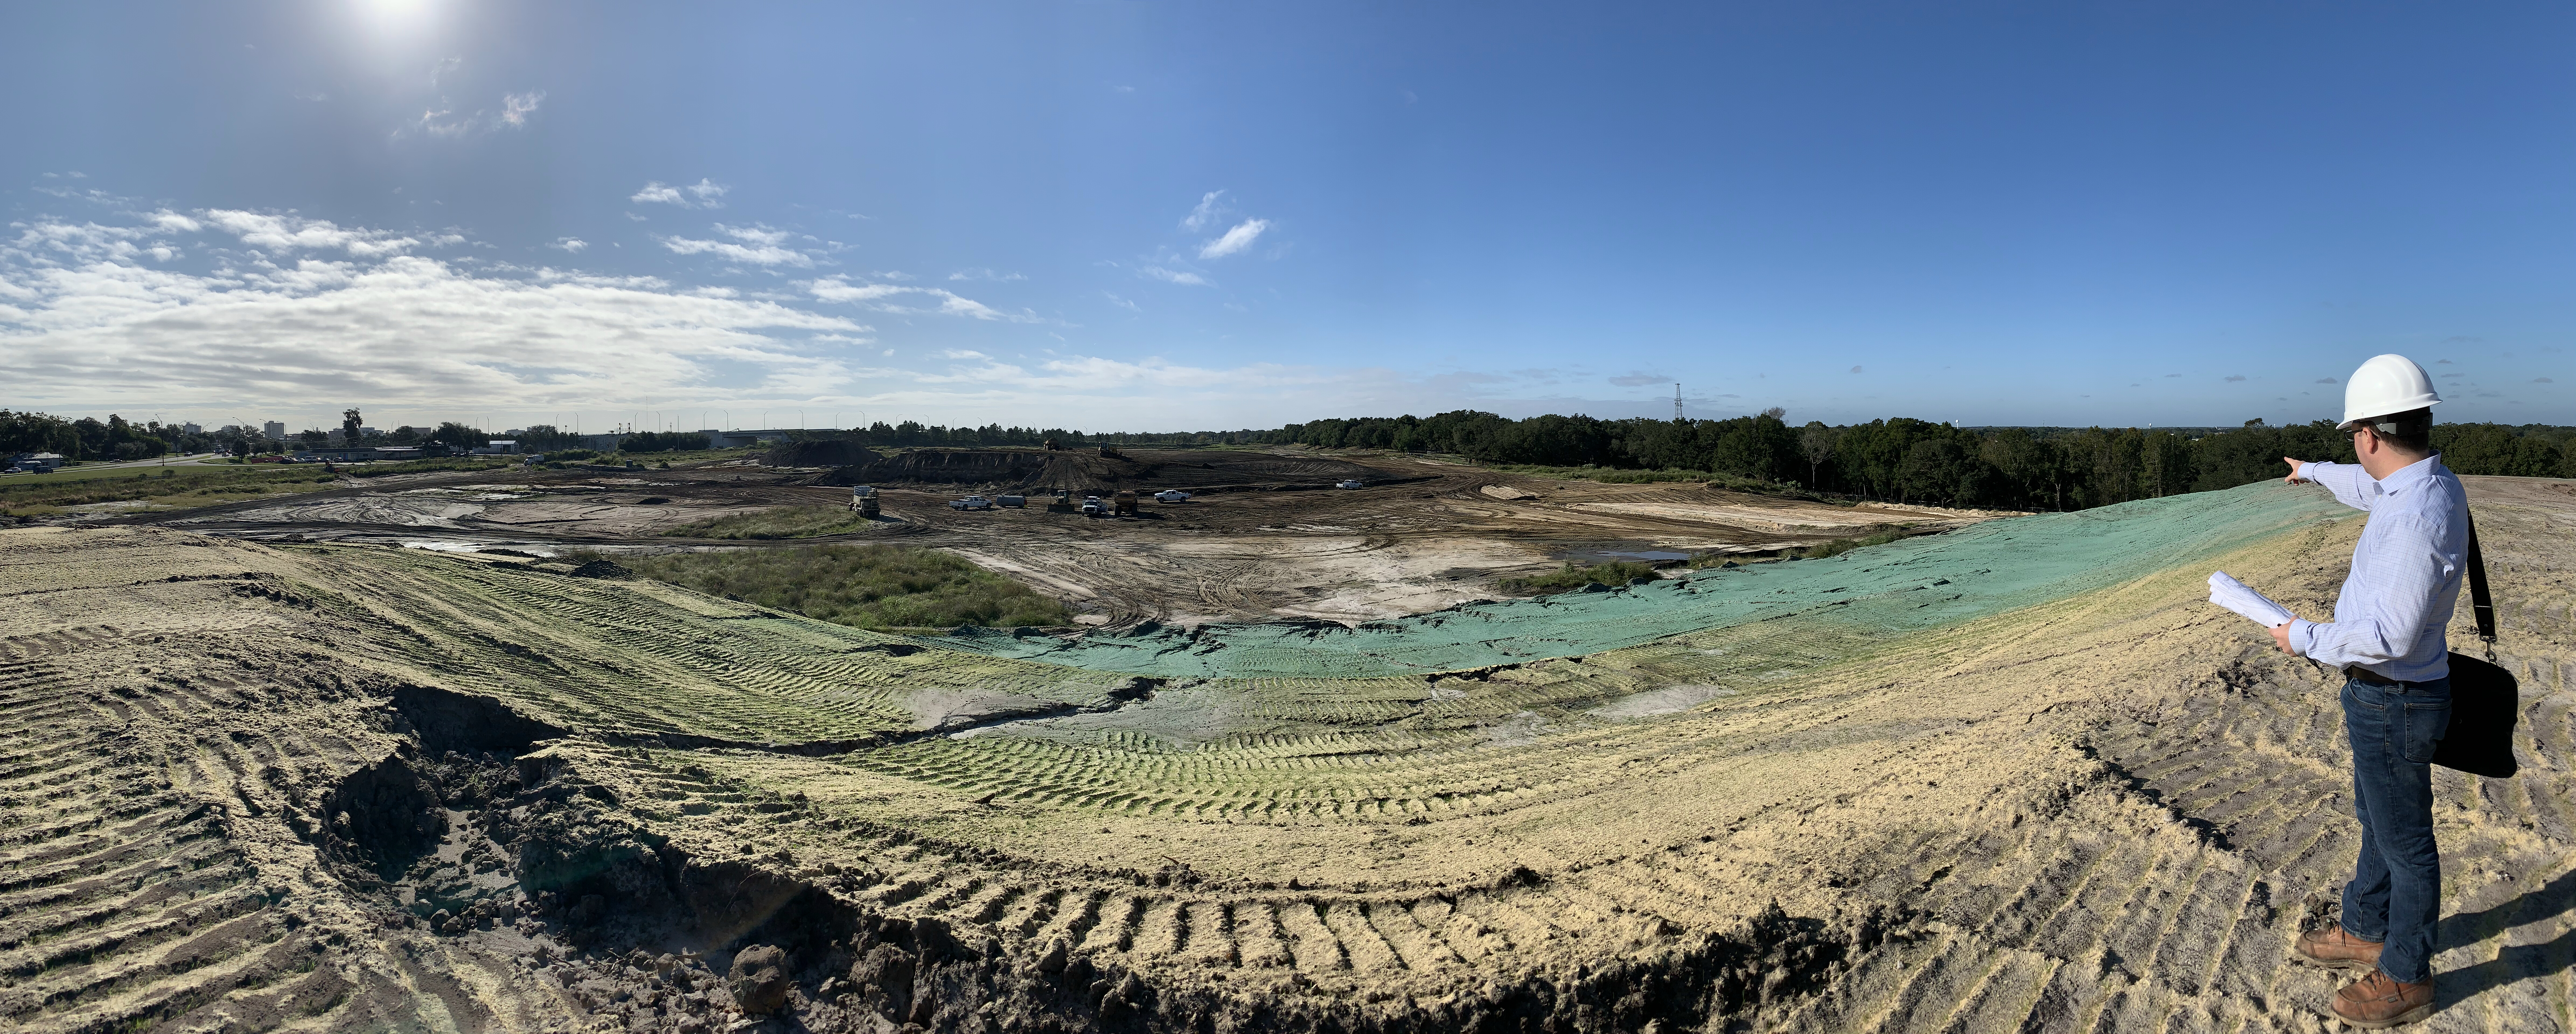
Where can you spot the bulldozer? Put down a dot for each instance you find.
(1124, 504)
(864, 499)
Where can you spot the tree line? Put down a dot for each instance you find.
(91, 440)
(1916, 461)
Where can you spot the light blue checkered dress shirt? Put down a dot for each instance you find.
(2406, 569)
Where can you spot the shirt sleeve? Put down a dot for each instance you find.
(2408, 572)
(2349, 483)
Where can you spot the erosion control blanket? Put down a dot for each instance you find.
(1900, 587)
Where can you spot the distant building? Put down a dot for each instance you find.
(499, 447)
(276, 431)
(36, 462)
(192, 429)
(602, 442)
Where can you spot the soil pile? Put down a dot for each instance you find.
(356, 788)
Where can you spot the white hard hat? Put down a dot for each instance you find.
(2385, 386)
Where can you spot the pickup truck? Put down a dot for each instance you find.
(1351, 483)
(972, 502)
(1171, 495)
(1093, 507)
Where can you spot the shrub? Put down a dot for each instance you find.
(1574, 576)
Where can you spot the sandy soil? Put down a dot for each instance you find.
(303, 785)
(1265, 537)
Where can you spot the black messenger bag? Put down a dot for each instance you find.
(2485, 699)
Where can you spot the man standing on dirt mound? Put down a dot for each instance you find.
(2387, 636)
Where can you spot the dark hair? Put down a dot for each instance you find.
(2411, 431)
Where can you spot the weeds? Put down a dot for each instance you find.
(785, 522)
(1573, 576)
(1838, 547)
(860, 585)
(174, 487)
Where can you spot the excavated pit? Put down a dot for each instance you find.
(319, 786)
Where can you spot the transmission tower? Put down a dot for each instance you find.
(1677, 403)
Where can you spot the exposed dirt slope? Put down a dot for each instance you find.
(1422, 537)
(2105, 813)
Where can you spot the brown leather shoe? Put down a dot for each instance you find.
(2335, 949)
(2377, 1001)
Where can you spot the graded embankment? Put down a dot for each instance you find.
(1916, 584)
(325, 787)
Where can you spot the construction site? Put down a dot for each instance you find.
(429, 754)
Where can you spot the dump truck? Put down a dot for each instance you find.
(864, 499)
(1126, 503)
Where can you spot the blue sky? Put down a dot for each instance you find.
(1153, 217)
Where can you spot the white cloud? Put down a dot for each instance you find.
(1235, 240)
(756, 233)
(886, 298)
(709, 194)
(93, 324)
(289, 232)
(762, 247)
(1209, 210)
(1172, 276)
(516, 107)
(571, 244)
(981, 274)
(1121, 302)
(442, 121)
(107, 333)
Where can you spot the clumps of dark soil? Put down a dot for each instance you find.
(476, 829)
(602, 569)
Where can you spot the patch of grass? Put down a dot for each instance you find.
(1614, 476)
(860, 585)
(784, 522)
(1573, 576)
(179, 486)
(1838, 547)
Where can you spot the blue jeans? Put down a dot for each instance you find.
(2396, 891)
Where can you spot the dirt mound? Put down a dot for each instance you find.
(337, 787)
(1088, 472)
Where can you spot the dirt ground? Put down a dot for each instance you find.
(1264, 537)
(259, 785)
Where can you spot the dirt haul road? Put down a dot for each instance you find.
(265, 785)
(1265, 536)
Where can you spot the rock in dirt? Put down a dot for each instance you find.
(759, 979)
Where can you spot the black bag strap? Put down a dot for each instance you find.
(2481, 605)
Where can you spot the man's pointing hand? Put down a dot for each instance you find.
(2298, 471)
